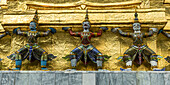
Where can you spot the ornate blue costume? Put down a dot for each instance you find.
(86, 51)
(31, 50)
(138, 51)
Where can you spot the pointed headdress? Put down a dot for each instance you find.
(86, 17)
(35, 19)
(136, 20)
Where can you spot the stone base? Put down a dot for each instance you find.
(84, 78)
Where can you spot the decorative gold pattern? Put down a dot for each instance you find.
(61, 43)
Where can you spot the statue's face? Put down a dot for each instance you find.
(32, 26)
(136, 26)
(86, 25)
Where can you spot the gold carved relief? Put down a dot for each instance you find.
(71, 15)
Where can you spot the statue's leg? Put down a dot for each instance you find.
(73, 60)
(18, 59)
(99, 56)
(153, 57)
(99, 61)
(127, 58)
(153, 60)
(74, 57)
(18, 62)
(43, 59)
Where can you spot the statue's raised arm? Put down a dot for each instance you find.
(99, 33)
(150, 33)
(19, 32)
(4, 34)
(125, 34)
(164, 33)
(43, 34)
(76, 34)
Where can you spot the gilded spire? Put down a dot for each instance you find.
(136, 16)
(87, 18)
(35, 19)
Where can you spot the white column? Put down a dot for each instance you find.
(89, 79)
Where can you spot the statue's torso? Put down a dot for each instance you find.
(32, 37)
(85, 37)
(137, 39)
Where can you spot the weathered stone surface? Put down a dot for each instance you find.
(143, 78)
(129, 78)
(22, 79)
(8, 79)
(75, 79)
(167, 78)
(157, 78)
(115, 78)
(48, 79)
(90, 77)
(62, 79)
(0, 76)
(102, 78)
(35, 78)
(84, 78)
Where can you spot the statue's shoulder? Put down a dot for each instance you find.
(33, 32)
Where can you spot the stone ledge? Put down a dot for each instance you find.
(84, 78)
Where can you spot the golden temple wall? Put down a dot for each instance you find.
(61, 43)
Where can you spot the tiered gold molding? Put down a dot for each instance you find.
(167, 5)
(3, 4)
(166, 1)
(99, 15)
(73, 18)
(167, 27)
(83, 5)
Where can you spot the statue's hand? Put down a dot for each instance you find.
(129, 63)
(154, 29)
(104, 28)
(52, 30)
(114, 29)
(160, 31)
(168, 59)
(153, 63)
(66, 28)
(7, 33)
(15, 30)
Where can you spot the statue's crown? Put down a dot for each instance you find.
(35, 19)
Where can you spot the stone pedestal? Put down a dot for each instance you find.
(84, 78)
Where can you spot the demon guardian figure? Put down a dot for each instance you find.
(4, 34)
(138, 51)
(86, 51)
(31, 50)
(168, 36)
